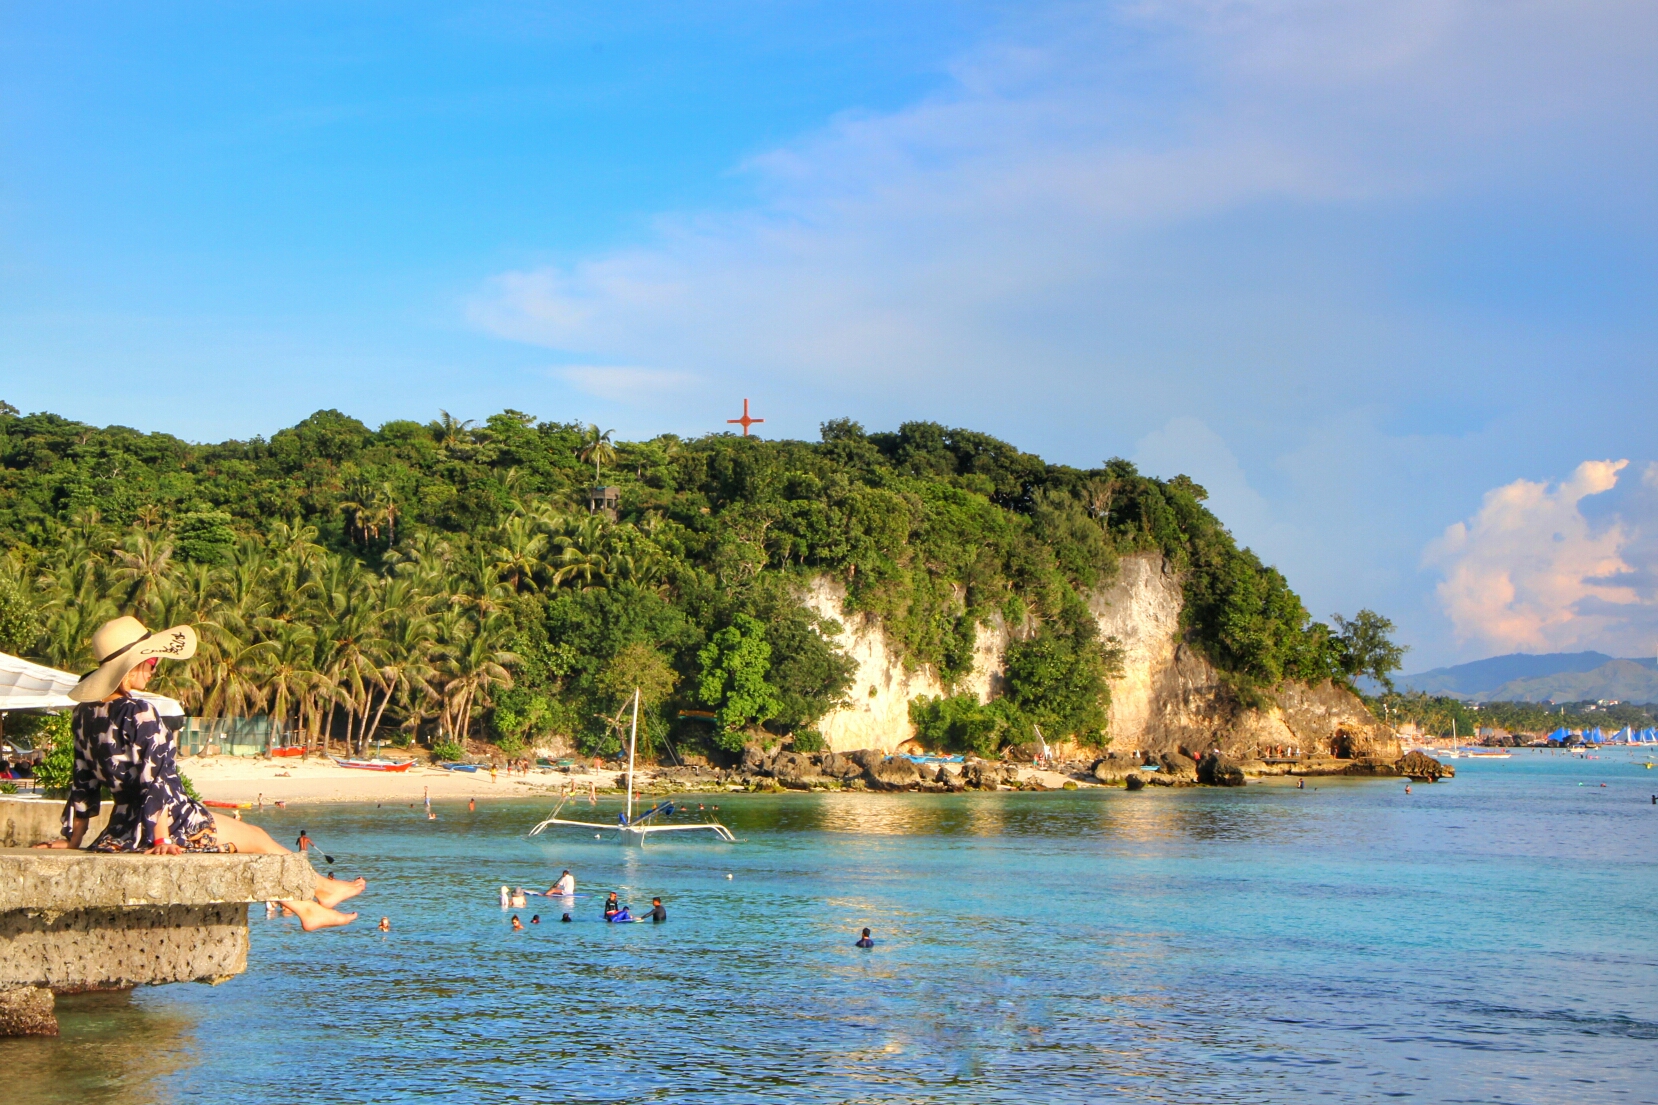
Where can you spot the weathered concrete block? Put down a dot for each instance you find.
(60, 879)
(114, 949)
(81, 921)
(27, 1011)
(28, 821)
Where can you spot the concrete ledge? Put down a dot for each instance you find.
(72, 920)
(29, 821)
(60, 879)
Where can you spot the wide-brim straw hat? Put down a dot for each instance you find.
(120, 645)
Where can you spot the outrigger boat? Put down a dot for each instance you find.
(374, 765)
(642, 826)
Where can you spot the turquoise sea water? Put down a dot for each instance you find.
(1494, 938)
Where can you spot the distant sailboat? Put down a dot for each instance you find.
(642, 826)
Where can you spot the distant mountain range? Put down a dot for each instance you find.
(1551, 676)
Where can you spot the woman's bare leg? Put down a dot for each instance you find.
(315, 915)
(253, 840)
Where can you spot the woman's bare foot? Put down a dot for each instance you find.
(331, 892)
(315, 915)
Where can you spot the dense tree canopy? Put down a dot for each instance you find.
(446, 579)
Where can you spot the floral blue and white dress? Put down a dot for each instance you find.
(123, 745)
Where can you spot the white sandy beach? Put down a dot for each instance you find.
(250, 779)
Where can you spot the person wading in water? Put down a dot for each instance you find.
(121, 743)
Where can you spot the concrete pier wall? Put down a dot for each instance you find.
(72, 920)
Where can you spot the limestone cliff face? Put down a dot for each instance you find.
(1166, 698)
(878, 711)
(1170, 698)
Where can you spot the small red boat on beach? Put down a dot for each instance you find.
(291, 750)
(374, 765)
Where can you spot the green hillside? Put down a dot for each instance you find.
(445, 579)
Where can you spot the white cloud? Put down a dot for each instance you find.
(623, 384)
(1003, 221)
(1530, 572)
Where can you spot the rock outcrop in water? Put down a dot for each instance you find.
(1423, 768)
(1167, 701)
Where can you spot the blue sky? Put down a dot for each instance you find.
(1381, 275)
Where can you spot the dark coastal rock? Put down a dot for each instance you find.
(755, 760)
(1111, 771)
(837, 766)
(865, 758)
(793, 769)
(1023, 753)
(1134, 781)
(1217, 771)
(1423, 768)
(27, 1011)
(948, 779)
(1178, 767)
(928, 773)
(894, 773)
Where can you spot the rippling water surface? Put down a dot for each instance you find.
(1494, 938)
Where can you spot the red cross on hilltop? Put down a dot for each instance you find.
(745, 421)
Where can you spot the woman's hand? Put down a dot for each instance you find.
(58, 843)
(163, 848)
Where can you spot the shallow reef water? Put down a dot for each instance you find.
(1493, 938)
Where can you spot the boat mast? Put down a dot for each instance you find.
(633, 741)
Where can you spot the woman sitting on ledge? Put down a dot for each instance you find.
(120, 743)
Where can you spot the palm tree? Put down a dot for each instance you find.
(471, 667)
(596, 447)
(143, 563)
(518, 551)
(288, 674)
(450, 432)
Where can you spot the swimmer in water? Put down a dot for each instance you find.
(566, 919)
(611, 906)
(517, 925)
(621, 916)
(536, 920)
(1407, 788)
(385, 924)
(519, 899)
(864, 941)
(657, 913)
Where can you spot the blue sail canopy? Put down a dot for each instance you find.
(1561, 735)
